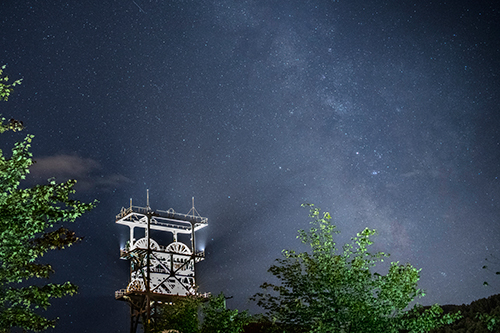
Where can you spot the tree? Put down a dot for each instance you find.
(328, 290)
(219, 319)
(480, 316)
(181, 315)
(30, 226)
(6, 88)
(5, 91)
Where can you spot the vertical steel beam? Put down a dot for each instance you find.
(148, 273)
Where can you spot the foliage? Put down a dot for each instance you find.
(28, 221)
(5, 91)
(328, 291)
(6, 88)
(219, 319)
(181, 315)
(491, 322)
(481, 316)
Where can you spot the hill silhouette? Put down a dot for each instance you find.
(471, 321)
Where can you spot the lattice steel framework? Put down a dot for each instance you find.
(158, 273)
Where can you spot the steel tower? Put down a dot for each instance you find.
(158, 273)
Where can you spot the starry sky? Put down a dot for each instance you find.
(385, 113)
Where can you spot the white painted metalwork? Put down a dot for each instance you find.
(143, 244)
(178, 247)
(171, 269)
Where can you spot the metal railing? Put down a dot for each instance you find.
(170, 213)
(124, 252)
(120, 293)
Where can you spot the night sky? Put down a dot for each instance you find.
(385, 113)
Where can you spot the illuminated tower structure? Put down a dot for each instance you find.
(158, 273)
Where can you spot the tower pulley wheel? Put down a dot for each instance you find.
(143, 244)
(136, 285)
(178, 247)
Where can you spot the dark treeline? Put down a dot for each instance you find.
(471, 322)
(473, 319)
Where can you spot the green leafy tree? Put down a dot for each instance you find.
(183, 315)
(5, 87)
(5, 91)
(219, 319)
(180, 315)
(30, 225)
(492, 322)
(332, 290)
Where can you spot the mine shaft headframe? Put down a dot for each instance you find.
(158, 273)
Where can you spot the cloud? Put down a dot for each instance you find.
(88, 172)
(64, 166)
